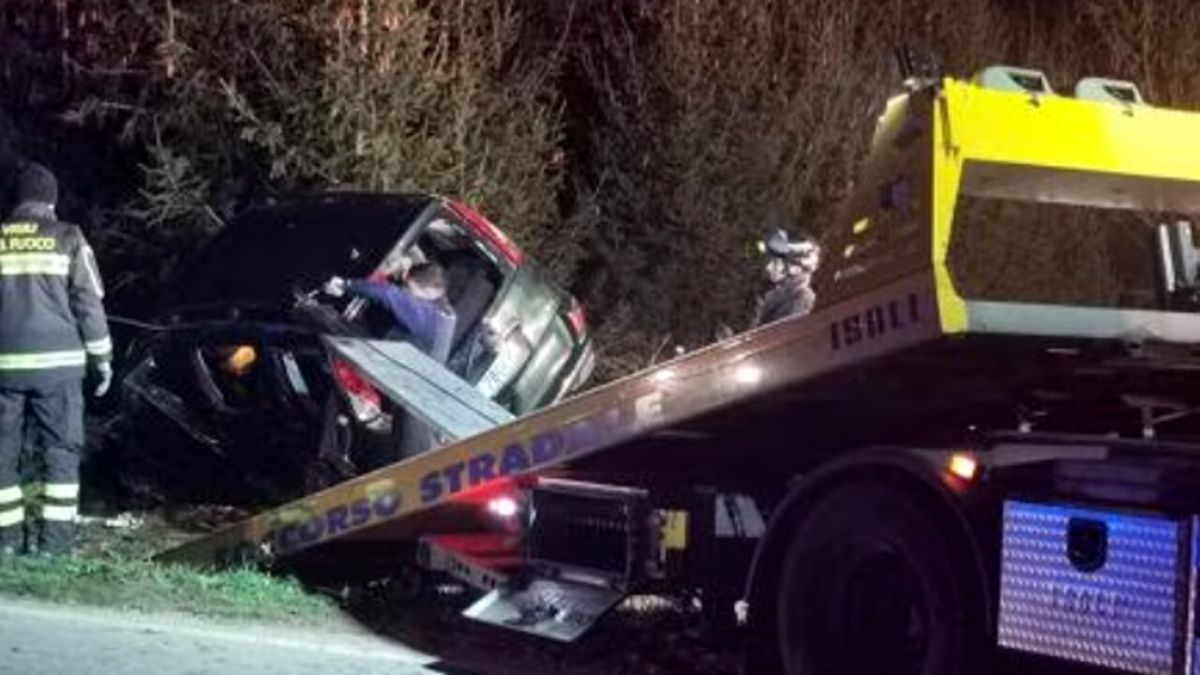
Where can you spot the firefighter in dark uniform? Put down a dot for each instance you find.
(52, 330)
(790, 267)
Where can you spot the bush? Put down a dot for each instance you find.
(210, 105)
(638, 147)
(719, 121)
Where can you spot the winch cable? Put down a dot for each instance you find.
(134, 323)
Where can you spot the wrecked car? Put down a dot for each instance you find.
(234, 395)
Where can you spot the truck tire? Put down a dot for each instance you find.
(873, 583)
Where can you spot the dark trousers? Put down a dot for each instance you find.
(47, 422)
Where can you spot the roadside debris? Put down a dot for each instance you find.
(126, 521)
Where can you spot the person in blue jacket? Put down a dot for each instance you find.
(425, 318)
(419, 306)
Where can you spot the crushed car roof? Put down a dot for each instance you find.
(269, 250)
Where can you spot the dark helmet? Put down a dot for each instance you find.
(779, 245)
(37, 184)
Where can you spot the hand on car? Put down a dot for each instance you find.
(336, 287)
(405, 263)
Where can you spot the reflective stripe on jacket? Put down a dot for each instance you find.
(52, 319)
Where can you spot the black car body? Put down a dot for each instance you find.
(265, 410)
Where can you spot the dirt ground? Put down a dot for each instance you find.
(631, 640)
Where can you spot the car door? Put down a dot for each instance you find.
(524, 316)
(476, 271)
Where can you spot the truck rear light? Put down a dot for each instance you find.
(578, 318)
(364, 398)
(963, 465)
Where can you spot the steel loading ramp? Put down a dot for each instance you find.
(418, 383)
(750, 364)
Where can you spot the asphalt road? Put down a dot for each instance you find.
(40, 639)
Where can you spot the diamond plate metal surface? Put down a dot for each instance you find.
(1130, 614)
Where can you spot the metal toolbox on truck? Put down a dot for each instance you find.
(1099, 587)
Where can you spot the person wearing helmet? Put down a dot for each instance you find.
(53, 329)
(791, 263)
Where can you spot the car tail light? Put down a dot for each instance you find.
(492, 234)
(364, 398)
(578, 318)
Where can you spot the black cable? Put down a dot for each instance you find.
(134, 323)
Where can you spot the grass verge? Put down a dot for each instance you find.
(114, 570)
(147, 586)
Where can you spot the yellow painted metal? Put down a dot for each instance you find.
(1013, 145)
(1068, 133)
(946, 160)
(674, 530)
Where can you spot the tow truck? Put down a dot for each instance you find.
(917, 477)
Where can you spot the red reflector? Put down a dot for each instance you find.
(578, 319)
(354, 384)
(490, 233)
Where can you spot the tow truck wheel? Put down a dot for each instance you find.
(873, 584)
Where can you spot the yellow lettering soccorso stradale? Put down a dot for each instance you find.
(12, 229)
(20, 244)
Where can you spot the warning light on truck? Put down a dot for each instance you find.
(748, 374)
(963, 465)
(504, 507)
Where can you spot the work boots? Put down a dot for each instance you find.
(12, 540)
(55, 538)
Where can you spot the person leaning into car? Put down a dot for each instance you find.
(419, 306)
(52, 327)
(421, 309)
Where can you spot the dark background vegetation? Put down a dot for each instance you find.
(636, 147)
